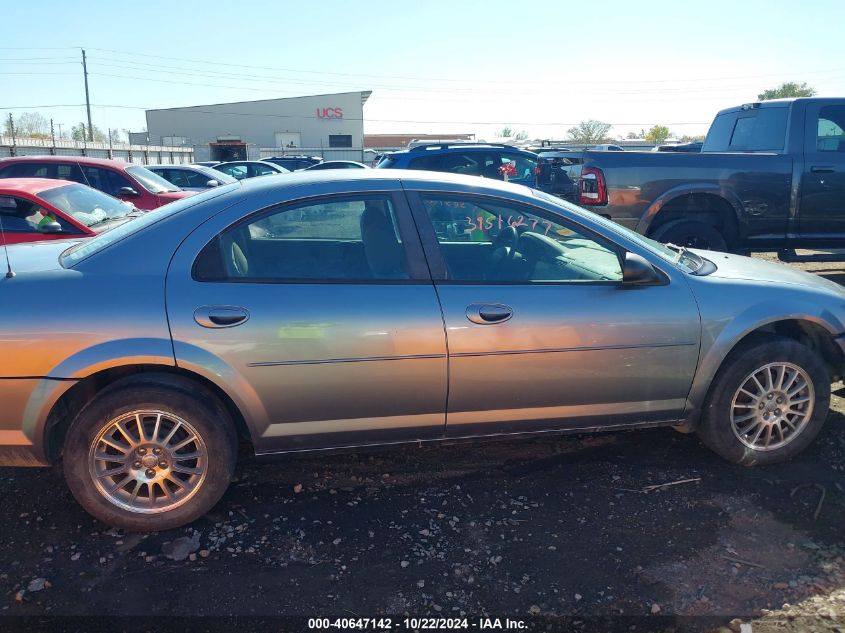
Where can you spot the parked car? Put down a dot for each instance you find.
(607, 148)
(470, 159)
(693, 147)
(238, 310)
(36, 209)
(243, 169)
(294, 162)
(128, 182)
(192, 177)
(770, 176)
(338, 164)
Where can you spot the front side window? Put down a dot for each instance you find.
(487, 241)
(19, 215)
(238, 172)
(263, 170)
(106, 180)
(523, 165)
(336, 239)
(176, 176)
(831, 129)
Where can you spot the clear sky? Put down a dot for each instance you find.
(434, 66)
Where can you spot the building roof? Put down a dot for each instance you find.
(365, 94)
(402, 140)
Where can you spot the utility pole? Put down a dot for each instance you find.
(87, 98)
(13, 150)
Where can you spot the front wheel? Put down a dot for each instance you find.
(149, 457)
(692, 234)
(768, 402)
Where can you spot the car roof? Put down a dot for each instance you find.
(31, 185)
(82, 160)
(185, 166)
(308, 177)
(425, 150)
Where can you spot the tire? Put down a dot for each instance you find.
(727, 408)
(98, 455)
(692, 234)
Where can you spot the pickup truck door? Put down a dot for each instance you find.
(822, 210)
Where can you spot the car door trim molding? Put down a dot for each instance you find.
(556, 350)
(363, 359)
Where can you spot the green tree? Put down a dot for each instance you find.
(506, 132)
(28, 124)
(786, 90)
(79, 132)
(657, 134)
(589, 132)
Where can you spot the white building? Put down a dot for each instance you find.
(253, 129)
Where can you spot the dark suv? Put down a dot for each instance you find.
(294, 162)
(471, 159)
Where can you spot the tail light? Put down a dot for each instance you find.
(593, 187)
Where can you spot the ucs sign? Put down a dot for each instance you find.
(329, 113)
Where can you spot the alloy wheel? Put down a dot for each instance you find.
(148, 461)
(772, 406)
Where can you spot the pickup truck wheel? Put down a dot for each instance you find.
(693, 234)
(149, 457)
(768, 402)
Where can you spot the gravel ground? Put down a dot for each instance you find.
(645, 525)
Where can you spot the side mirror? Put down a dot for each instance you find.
(50, 227)
(127, 191)
(212, 183)
(637, 271)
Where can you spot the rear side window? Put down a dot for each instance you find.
(759, 130)
(831, 129)
(62, 171)
(354, 238)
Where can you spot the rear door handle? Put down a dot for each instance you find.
(489, 313)
(220, 316)
(822, 169)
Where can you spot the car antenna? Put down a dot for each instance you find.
(9, 273)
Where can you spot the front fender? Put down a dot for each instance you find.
(666, 197)
(720, 336)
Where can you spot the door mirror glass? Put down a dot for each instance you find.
(50, 227)
(127, 191)
(212, 183)
(639, 272)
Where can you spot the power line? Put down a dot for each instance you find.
(294, 116)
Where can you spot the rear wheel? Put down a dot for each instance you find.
(692, 234)
(767, 403)
(148, 457)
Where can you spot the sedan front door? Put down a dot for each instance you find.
(542, 333)
(320, 315)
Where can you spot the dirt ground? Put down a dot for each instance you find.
(638, 531)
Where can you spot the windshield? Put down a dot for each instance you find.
(678, 256)
(83, 250)
(219, 176)
(86, 205)
(150, 181)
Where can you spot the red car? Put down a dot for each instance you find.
(35, 209)
(133, 183)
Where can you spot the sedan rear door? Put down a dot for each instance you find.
(318, 315)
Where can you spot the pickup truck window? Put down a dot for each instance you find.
(759, 130)
(831, 129)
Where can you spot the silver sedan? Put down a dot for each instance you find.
(353, 308)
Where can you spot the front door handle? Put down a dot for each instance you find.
(822, 169)
(220, 316)
(489, 313)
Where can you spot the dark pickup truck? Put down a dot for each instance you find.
(770, 176)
